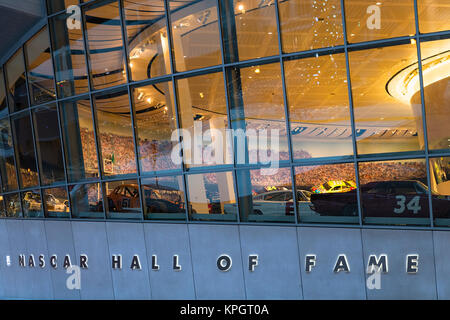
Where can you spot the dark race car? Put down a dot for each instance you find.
(383, 199)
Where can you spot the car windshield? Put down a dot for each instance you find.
(327, 186)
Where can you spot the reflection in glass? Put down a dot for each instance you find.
(3, 102)
(386, 118)
(440, 189)
(257, 107)
(115, 133)
(40, 68)
(86, 201)
(211, 196)
(23, 142)
(394, 192)
(310, 24)
(79, 140)
(17, 86)
(256, 28)
(156, 120)
(265, 198)
(331, 189)
(56, 204)
(32, 204)
(436, 80)
(7, 168)
(48, 144)
(12, 204)
(195, 34)
(369, 20)
(148, 49)
(68, 55)
(123, 200)
(434, 15)
(317, 96)
(105, 46)
(164, 198)
(203, 115)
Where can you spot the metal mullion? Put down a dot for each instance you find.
(131, 103)
(59, 121)
(31, 118)
(424, 116)
(287, 116)
(233, 165)
(5, 87)
(175, 102)
(352, 115)
(98, 150)
(93, 109)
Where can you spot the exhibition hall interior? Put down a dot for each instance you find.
(134, 111)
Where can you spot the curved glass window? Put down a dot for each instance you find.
(115, 133)
(17, 83)
(310, 24)
(105, 46)
(40, 68)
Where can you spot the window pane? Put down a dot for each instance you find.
(203, 115)
(317, 95)
(436, 79)
(115, 133)
(257, 107)
(7, 168)
(3, 212)
(68, 55)
(164, 198)
(79, 141)
(123, 200)
(195, 33)
(386, 118)
(367, 20)
(48, 144)
(327, 193)
(440, 188)
(40, 68)
(148, 47)
(211, 196)
(12, 204)
(310, 24)
(17, 87)
(265, 197)
(434, 15)
(59, 5)
(256, 28)
(56, 203)
(156, 120)
(32, 204)
(26, 158)
(86, 201)
(104, 40)
(3, 102)
(394, 192)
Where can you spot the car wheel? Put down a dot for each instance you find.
(350, 210)
(258, 212)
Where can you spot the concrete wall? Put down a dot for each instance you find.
(280, 272)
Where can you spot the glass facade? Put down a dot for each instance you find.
(266, 112)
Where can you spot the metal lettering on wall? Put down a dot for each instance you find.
(375, 263)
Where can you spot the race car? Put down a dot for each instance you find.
(125, 198)
(408, 198)
(334, 186)
(275, 203)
